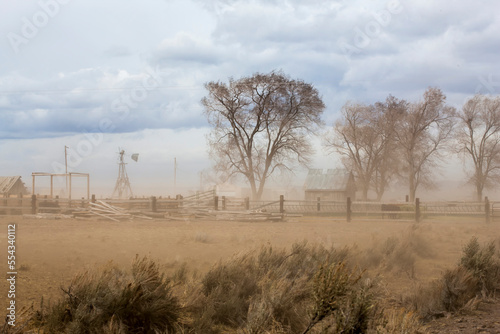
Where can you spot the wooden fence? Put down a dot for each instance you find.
(210, 201)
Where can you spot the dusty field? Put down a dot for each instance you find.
(50, 252)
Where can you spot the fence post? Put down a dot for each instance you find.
(247, 203)
(223, 202)
(318, 205)
(216, 203)
(93, 198)
(153, 203)
(178, 199)
(417, 209)
(282, 204)
(349, 211)
(487, 209)
(33, 204)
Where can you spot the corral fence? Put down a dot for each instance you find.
(209, 201)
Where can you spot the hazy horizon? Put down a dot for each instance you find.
(98, 77)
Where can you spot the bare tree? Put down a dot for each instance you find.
(365, 139)
(421, 135)
(353, 139)
(261, 124)
(479, 140)
(389, 163)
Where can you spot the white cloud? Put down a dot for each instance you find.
(92, 60)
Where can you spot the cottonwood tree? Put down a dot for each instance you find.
(389, 164)
(261, 124)
(364, 137)
(422, 134)
(479, 140)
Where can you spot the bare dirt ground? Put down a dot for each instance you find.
(50, 252)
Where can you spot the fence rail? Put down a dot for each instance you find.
(210, 201)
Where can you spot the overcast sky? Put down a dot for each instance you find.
(99, 75)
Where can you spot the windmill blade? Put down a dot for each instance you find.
(135, 156)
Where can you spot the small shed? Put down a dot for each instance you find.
(12, 186)
(329, 185)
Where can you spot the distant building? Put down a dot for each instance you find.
(329, 185)
(12, 186)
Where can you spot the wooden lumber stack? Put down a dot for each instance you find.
(243, 216)
(101, 209)
(105, 210)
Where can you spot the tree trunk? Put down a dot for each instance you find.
(253, 187)
(479, 192)
(413, 189)
(365, 194)
(260, 191)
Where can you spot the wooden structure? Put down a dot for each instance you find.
(12, 185)
(209, 206)
(329, 185)
(69, 177)
(122, 187)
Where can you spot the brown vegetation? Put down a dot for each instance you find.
(316, 286)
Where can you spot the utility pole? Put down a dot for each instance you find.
(175, 176)
(66, 163)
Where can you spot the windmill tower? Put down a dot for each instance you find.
(122, 187)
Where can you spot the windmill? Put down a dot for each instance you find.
(122, 187)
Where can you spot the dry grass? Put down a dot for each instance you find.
(484, 265)
(309, 289)
(401, 321)
(260, 290)
(397, 253)
(109, 300)
(281, 300)
(476, 276)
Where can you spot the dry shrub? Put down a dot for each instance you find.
(267, 291)
(448, 294)
(458, 287)
(342, 302)
(403, 258)
(277, 305)
(360, 311)
(307, 289)
(229, 288)
(398, 253)
(389, 246)
(401, 322)
(484, 264)
(180, 275)
(108, 300)
(461, 287)
(202, 237)
(26, 317)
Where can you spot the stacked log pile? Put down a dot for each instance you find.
(243, 216)
(108, 211)
(101, 209)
